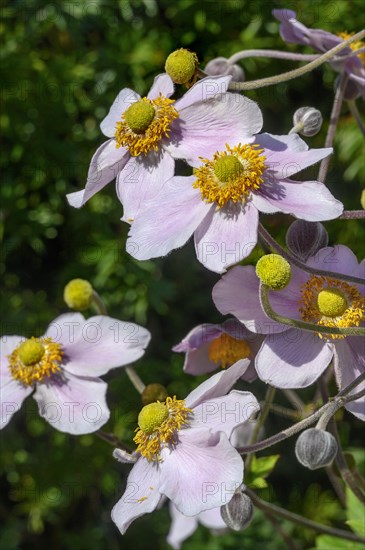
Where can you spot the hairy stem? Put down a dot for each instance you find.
(135, 379)
(352, 215)
(275, 54)
(271, 80)
(270, 394)
(99, 304)
(304, 522)
(335, 115)
(270, 242)
(355, 113)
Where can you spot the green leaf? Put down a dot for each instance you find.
(355, 513)
(326, 542)
(263, 466)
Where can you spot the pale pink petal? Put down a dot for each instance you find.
(141, 495)
(294, 359)
(73, 404)
(349, 363)
(217, 385)
(12, 392)
(307, 200)
(225, 413)
(141, 180)
(237, 293)
(205, 128)
(212, 519)
(170, 219)
(162, 85)
(105, 165)
(182, 527)
(124, 99)
(196, 346)
(226, 236)
(337, 258)
(104, 343)
(66, 329)
(208, 88)
(201, 472)
(287, 155)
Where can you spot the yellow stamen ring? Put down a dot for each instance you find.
(227, 350)
(34, 360)
(354, 45)
(144, 124)
(158, 429)
(332, 303)
(231, 175)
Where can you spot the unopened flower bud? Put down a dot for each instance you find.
(274, 271)
(78, 294)
(307, 121)
(220, 66)
(152, 393)
(237, 514)
(304, 239)
(315, 448)
(181, 66)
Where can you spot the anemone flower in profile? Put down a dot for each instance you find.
(63, 366)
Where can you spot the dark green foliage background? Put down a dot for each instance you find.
(62, 65)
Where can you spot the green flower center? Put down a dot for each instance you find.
(152, 416)
(139, 116)
(31, 352)
(332, 302)
(227, 168)
(274, 271)
(181, 65)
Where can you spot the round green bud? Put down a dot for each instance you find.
(181, 65)
(274, 271)
(315, 448)
(31, 352)
(78, 294)
(152, 416)
(332, 302)
(154, 392)
(139, 116)
(227, 168)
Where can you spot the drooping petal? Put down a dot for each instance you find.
(73, 404)
(141, 180)
(307, 200)
(196, 346)
(182, 527)
(226, 236)
(12, 392)
(104, 343)
(294, 359)
(162, 85)
(237, 293)
(225, 413)
(105, 165)
(141, 495)
(124, 99)
(170, 219)
(287, 155)
(205, 127)
(349, 363)
(217, 385)
(201, 472)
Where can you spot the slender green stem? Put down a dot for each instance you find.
(276, 54)
(311, 327)
(135, 379)
(355, 113)
(304, 522)
(294, 399)
(271, 80)
(112, 440)
(334, 405)
(99, 304)
(270, 242)
(335, 115)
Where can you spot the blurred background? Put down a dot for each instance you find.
(63, 63)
